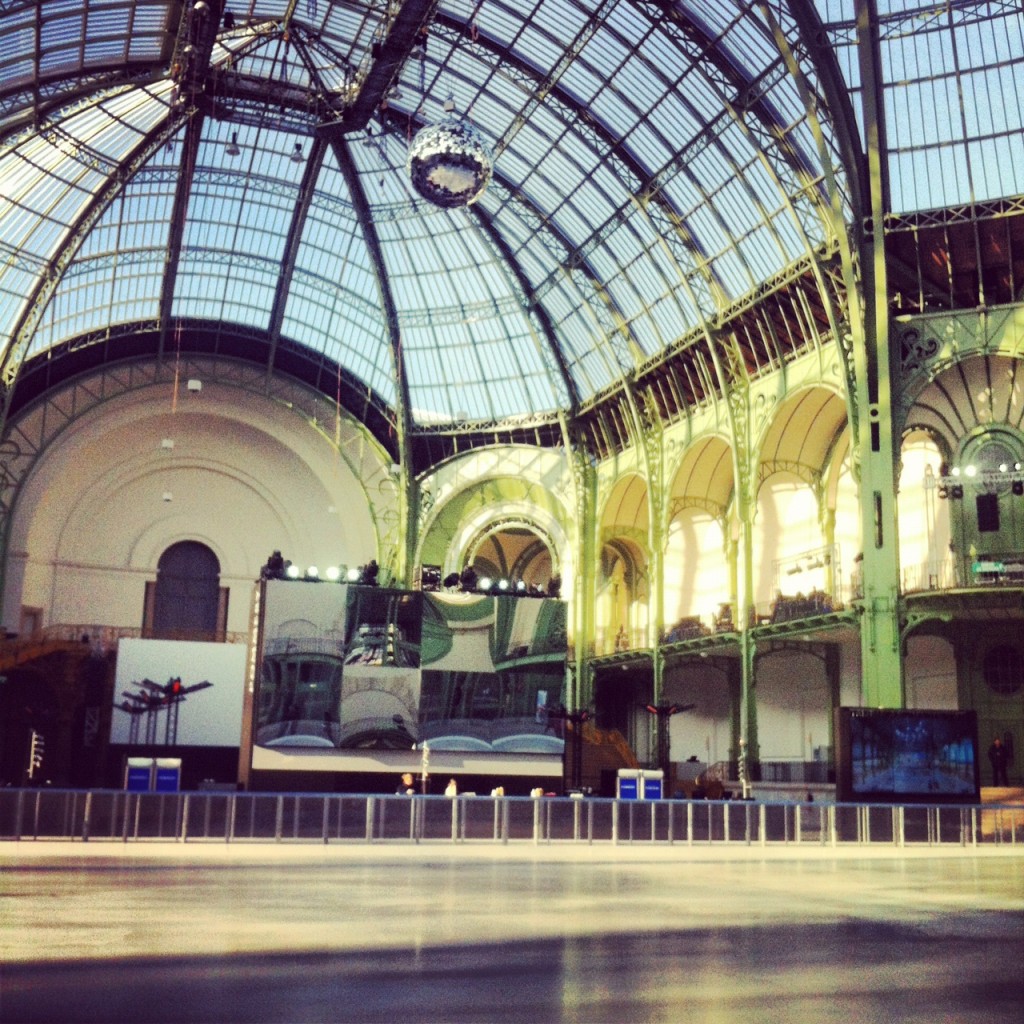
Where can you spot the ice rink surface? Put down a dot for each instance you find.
(148, 932)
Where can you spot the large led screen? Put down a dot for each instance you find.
(358, 668)
(178, 693)
(894, 756)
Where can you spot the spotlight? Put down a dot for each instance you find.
(292, 572)
(333, 573)
(520, 587)
(232, 147)
(503, 584)
(352, 575)
(955, 471)
(484, 583)
(312, 573)
(274, 569)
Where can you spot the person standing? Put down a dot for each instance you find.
(1000, 758)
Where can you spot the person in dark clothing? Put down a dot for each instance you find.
(1000, 758)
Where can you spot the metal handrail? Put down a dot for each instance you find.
(236, 817)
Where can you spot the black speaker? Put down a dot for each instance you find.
(988, 513)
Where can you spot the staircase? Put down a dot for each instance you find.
(604, 751)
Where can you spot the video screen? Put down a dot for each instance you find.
(178, 693)
(367, 668)
(902, 756)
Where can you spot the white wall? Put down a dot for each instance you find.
(246, 476)
(705, 730)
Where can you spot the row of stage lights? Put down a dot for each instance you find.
(279, 568)
(950, 482)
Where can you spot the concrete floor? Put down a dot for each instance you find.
(165, 932)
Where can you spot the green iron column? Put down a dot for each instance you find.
(881, 660)
(584, 482)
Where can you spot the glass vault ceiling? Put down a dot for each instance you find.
(237, 171)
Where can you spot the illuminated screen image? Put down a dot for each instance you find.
(177, 692)
(912, 756)
(367, 668)
(492, 666)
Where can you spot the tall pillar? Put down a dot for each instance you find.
(876, 447)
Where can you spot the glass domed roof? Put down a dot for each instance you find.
(231, 177)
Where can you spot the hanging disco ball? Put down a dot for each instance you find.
(448, 163)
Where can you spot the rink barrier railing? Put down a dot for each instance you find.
(234, 817)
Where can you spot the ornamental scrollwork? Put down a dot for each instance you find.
(916, 351)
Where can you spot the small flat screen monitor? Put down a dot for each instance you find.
(904, 756)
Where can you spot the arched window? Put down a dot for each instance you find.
(186, 602)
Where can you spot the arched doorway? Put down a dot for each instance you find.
(186, 601)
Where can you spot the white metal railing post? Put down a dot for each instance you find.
(590, 821)
(279, 818)
(87, 816)
(689, 823)
(615, 822)
(182, 835)
(370, 809)
(536, 820)
(762, 824)
(325, 820)
(232, 816)
(725, 820)
(798, 825)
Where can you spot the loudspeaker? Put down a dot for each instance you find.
(988, 513)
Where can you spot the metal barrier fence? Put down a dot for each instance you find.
(115, 815)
